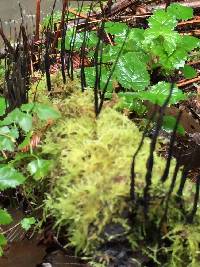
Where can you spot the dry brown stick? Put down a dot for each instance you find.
(185, 23)
(193, 32)
(117, 7)
(37, 23)
(193, 63)
(187, 82)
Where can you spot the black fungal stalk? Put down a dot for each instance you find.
(132, 177)
(170, 151)
(172, 185)
(150, 161)
(190, 217)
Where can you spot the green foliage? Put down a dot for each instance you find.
(90, 78)
(26, 223)
(5, 217)
(132, 72)
(169, 123)
(2, 106)
(180, 12)
(45, 112)
(158, 93)
(90, 177)
(39, 168)
(3, 242)
(189, 72)
(75, 39)
(19, 123)
(158, 47)
(185, 245)
(10, 178)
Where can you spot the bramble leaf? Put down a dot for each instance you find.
(39, 168)
(5, 217)
(27, 107)
(169, 123)
(180, 12)
(2, 106)
(24, 120)
(164, 37)
(189, 43)
(10, 178)
(189, 72)
(3, 242)
(160, 19)
(115, 27)
(127, 101)
(158, 93)
(131, 72)
(90, 75)
(26, 223)
(7, 138)
(46, 112)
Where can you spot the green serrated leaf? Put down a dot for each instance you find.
(73, 38)
(24, 120)
(110, 53)
(164, 38)
(27, 107)
(128, 101)
(115, 27)
(134, 41)
(26, 223)
(39, 168)
(180, 12)
(177, 59)
(7, 139)
(92, 39)
(6, 144)
(160, 19)
(46, 112)
(188, 43)
(26, 141)
(3, 242)
(169, 123)
(90, 75)
(5, 217)
(2, 106)
(131, 72)
(158, 93)
(10, 178)
(189, 72)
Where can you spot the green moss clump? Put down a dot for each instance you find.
(90, 182)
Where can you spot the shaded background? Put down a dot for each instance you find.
(10, 13)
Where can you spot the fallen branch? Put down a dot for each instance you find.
(185, 82)
(189, 22)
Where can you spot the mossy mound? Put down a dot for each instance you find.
(90, 182)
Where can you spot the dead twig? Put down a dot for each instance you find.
(185, 82)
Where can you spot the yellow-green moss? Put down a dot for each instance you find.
(90, 182)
